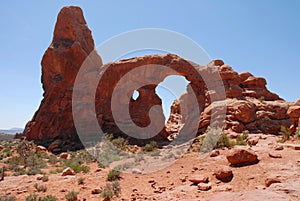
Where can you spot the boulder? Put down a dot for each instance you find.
(65, 155)
(196, 179)
(224, 174)
(240, 157)
(67, 171)
(271, 180)
(204, 186)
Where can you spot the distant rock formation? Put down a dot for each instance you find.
(250, 105)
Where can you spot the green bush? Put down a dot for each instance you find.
(286, 133)
(113, 175)
(241, 139)
(76, 166)
(32, 197)
(8, 198)
(49, 198)
(150, 147)
(53, 159)
(40, 188)
(107, 193)
(35, 197)
(120, 143)
(72, 196)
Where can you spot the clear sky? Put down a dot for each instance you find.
(259, 36)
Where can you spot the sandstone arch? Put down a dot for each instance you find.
(250, 106)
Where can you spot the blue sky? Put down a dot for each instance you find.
(261, 37)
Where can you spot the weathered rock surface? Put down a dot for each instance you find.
(67, 171)
(250, 105)
(72, 42)
(196, 179)
(238, 156)
(224, 174)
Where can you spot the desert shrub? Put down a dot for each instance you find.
(100, 165)
(110, 190)
(32, 197)
(107, 193)
(150, 147)
(52, 159)
(76, 166)
(286, 133)
(33, 171)
(224, 141)
(138, 158)
(40, 188)
(113, 175)
(30, 161)
(35, 197)
(241, 139)
(214, 139)
(72, 196)
(8, 198)
(82, 157)
(116, 188)
(124, 166)
(120, 143)
(49, 198)
(80, 181)
(168, 156)
(6, 152)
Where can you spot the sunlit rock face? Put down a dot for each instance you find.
(249, 104)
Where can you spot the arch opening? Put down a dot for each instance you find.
(135, 94)
(170, 89)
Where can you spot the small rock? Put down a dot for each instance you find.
(270, 181)
(253, 141)
(196, 179)
(183, 179)
(55, 146)
(98, 170)
(239, 156)
(204, 186)
(151, 181)
(274, 155)
(39, 177)
(214, 153)
(136, 171)
(160, 189)
(278, 147)
(96, 191)
(40, 149)
(68, 171)
(224, 174)
(65, 155)
(195, 168)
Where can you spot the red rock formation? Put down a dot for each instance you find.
(294, 114)
(72, 42)
(250, 106)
